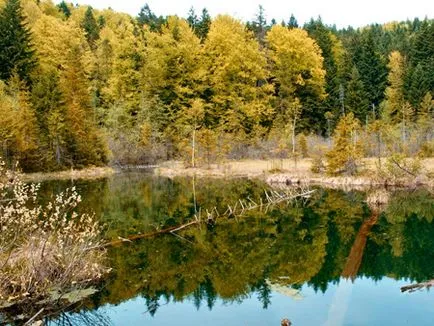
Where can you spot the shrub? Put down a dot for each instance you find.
(398, 166)
(44, 248)
(347, 150)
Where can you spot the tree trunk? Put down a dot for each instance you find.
(293, 142)
(354, 260)
(193, 147)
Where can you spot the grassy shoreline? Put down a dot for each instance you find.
(87, 173)
(287, 172)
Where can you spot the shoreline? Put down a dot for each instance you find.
(274, 172)
(87, 173)
(288, 174)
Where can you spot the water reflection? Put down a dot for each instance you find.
(325, 242)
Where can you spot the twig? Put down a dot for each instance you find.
(402, 168)
(34, 317)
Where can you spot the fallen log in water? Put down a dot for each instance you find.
(240, 207)
(418, 286)
(148, 235)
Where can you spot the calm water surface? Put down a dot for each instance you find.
(328, 260)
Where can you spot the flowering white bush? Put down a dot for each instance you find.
(44, 248)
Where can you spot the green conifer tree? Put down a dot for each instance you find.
(203, 25)
(147, 17)
(192, 18)
(16, 51)
(292, 23)
(63, 7)
(91, 27)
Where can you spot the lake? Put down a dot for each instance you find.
(324, 260)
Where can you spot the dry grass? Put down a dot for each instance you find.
(286, 170)
(240, 168)
(88, 173)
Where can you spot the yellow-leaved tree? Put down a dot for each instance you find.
(297, 67)
(347, 150)
(66, 114)
(173, 73)
(237, 87)
(18, 125)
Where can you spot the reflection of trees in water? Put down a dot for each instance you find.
(311, 244)
(354, 259)
(83, 318)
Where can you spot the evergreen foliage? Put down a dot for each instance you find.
(16, 50)
(63, 7)
(91, 27)
(147, 17)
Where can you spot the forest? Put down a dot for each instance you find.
(85, 87)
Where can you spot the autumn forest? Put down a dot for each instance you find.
(85, 87)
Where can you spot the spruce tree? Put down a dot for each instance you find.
(16, 51)
(259, 26)
(192, 18)
(203, 25)
(91, 27)
(63, 7)
(292, 23)
(147, 17)
(356, 98)
(329, 48)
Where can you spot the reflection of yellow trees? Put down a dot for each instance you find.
(346, 210)
(287, 245)
(234, 257)
(314, 243)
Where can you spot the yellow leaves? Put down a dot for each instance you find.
(394, 102)
(56, 39)
(236, 72)
(18, 127)
(297, 60)
(347, 149)
(31, 11)
(145, 134)
(396, 68)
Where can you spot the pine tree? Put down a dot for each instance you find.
(147, 17)
(63, 7)
(331, 50)
(259, 26)
(292, 23)
(91, 27)
(370, 65)
(192, 18)
(47, 100)
(16, 50)
(46, 95)
(203, 25)
(356, 99)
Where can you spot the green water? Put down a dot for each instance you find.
(326, 260)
